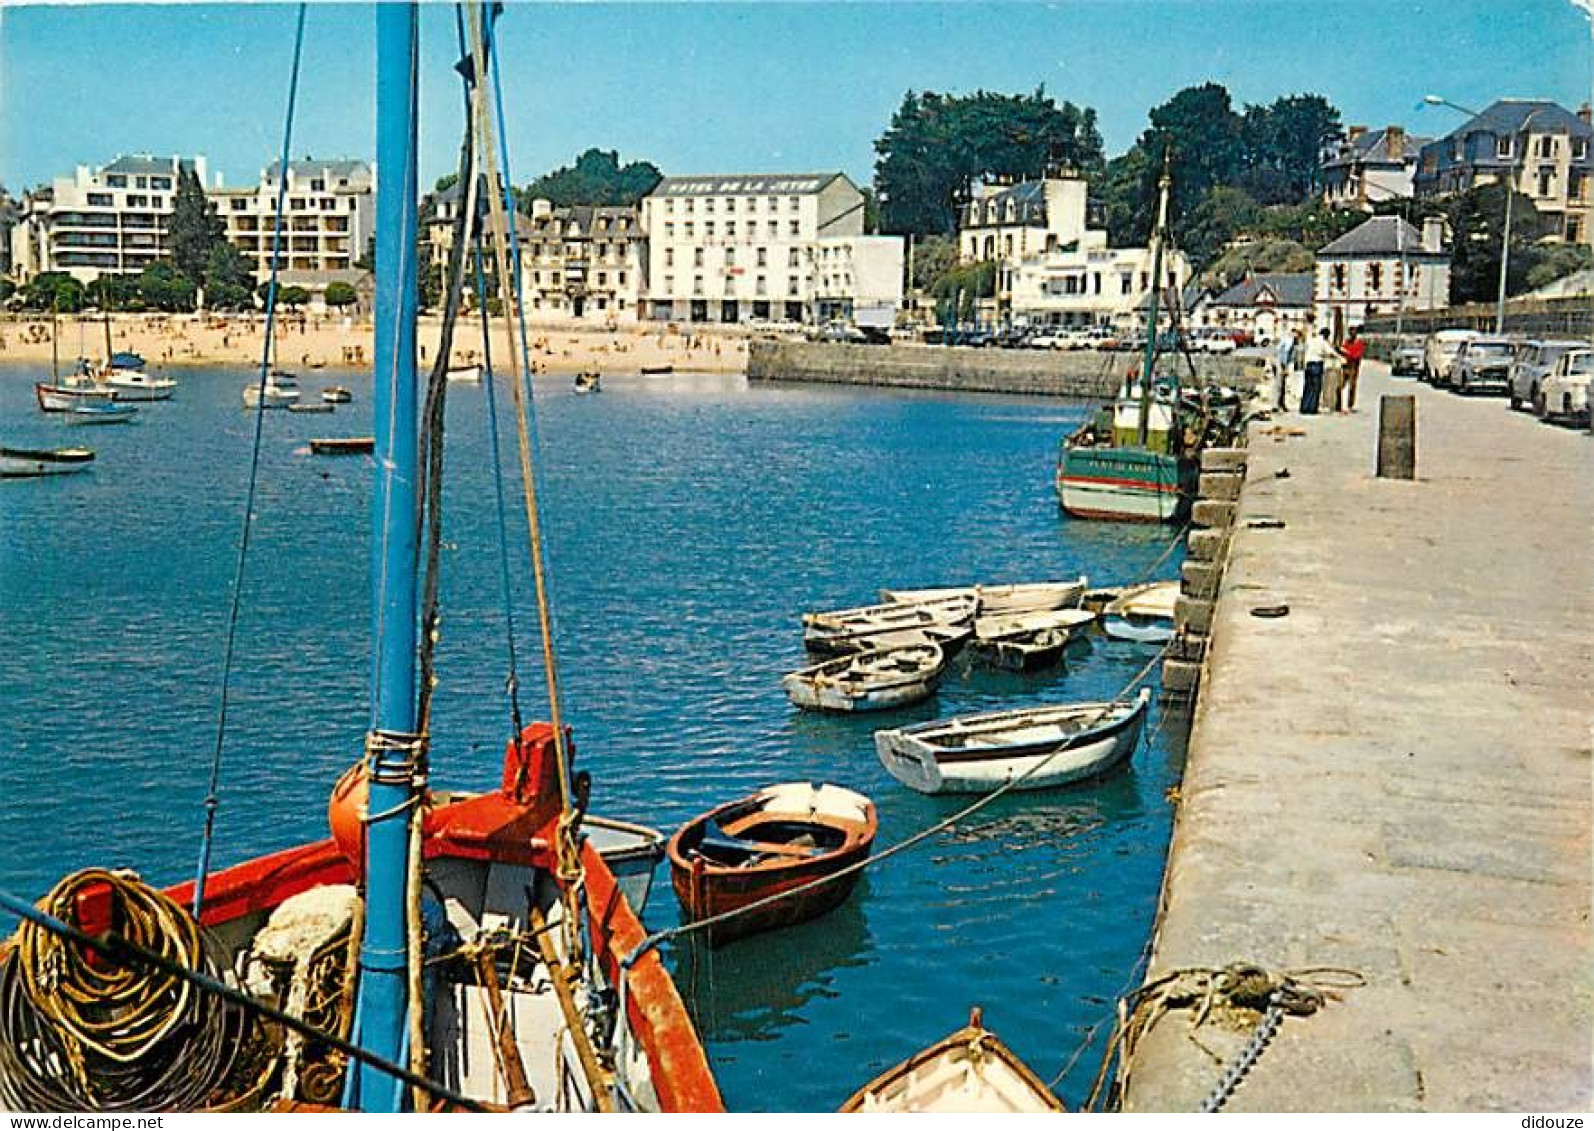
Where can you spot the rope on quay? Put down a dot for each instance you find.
(901, 846)
(109, 944)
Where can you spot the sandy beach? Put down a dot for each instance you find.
(325, 341)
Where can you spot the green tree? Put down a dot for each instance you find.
(1477, 227)
(229, 284)
(7, 288)
(294, 296)
(194, 228)
(937, 143)
(1557, 261)
(163, 287)
(340, 294)
(597, 178)
(1223, 214)
(53, 290)
(933, 257)
(1256, 256)
(1282, 145)
(115, 292)
(964, 284)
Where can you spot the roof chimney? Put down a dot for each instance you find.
(1395, 142)
(1355, 134)
(1583, 112)
(1433, 233)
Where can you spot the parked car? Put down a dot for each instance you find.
(839, 332)
(1049, 340)
(1483, 365)
(1440, 351)
(1534, 360)
(1406, 361)
(1563, 394)
(1214, 341)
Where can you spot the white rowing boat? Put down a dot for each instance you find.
(1142, 612)
(858, 629)
(1017, 598)
(868, 681)
(1023, 641)
(1045, 746)
(971, 1072)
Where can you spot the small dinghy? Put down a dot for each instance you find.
(589, 382)
(315, 408)
(970, 1072)
(100, 412)
(978, 753)
(335, 394)
(657, 370)
(850, 630)
(343, 445)
(278, 391)
(1025, 641)
(1142, 612)
(1018, 598)
(868, 681)
(779, 839)
(465, 374)
(29, 463)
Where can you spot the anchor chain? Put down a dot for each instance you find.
(1248, 1056)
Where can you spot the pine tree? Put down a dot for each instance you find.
(194, 230)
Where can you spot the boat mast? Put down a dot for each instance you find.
(1158, 235)
(394, 754)
(55, 338)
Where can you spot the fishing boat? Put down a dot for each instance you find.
(336, 394)
(1039, 747)
(1143, 613)
(279, 390)
(1025, 641)
(657, 370)
(465, 374)
(1018, 598)
(589, 382)
(343, 445)
(439, 951)
(782, 838)
(70, 393)
(850, 630)
(969, 1073)
(1138, 459)
(868, 681)
(98, 412)
(29, 463)
(128, 380)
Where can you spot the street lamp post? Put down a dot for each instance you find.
(1512, 171)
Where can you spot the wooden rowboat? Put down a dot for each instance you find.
(335, 394)
(27, 463)
(98, 412)
(657, 370)
(979, 753)
(850, 630)
(777, 840)
(1024, 641)
(343, 445)
(868, 681)
(1017, 598)
(970, 1072)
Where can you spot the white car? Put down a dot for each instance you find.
(1439, 353)
(1219, 342)
(1563, 395)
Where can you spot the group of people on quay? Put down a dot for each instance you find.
(1328, 372)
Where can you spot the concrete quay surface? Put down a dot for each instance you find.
(1395, 777)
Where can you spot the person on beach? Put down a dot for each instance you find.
(1318, 351)
(1352, 349)
(1285, 355)
(1333, 378)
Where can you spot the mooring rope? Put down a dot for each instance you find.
(901, 846)
(212, 799)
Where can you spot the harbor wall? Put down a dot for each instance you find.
(1049, 373)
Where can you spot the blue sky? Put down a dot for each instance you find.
(720, 87)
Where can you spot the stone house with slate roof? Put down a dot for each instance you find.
(1367, 167)
(583, 263)
(1541, 147)
(1266, 305)
(1380, 267)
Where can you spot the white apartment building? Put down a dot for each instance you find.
(858, 279)
(1052, 267)
(583, 263)
(750, 246)
(330, 210)
(1378, 268)
(111, 220)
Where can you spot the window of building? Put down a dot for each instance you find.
(1125, 283)
(669, 205)
(1579, 148)
(689, 232)
(669, 230)
(669, 257)
(791, 285)
(1338, 277)
(697, 257)
(1574, 230)
(603, 278)
(763, 257)
(1547, 146)
(730, 257)
(708, 206)
(116, 180)
(1546, 181)
(162, 183)
(1502, 146)
(708, 229)
(774, 229)
(100, 199)
(792, 203)
(328, 203)
(669, 282)
(137, 200)
(796, 227)
(318, 185)
(239, 204)
(1096, 282)
(794, 258)
(762, 286)
(730, 229)
(691, 205)
(730, 284)
(1576, 185)
(697, 284)
(619, 278)
(1375, 278)
(1145, 280)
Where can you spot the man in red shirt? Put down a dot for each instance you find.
(1352, 349)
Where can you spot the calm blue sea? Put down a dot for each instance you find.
(690, 520)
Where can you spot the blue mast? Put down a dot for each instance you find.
(393, 751)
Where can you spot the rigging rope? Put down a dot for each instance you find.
(212, 800)
(901, 846)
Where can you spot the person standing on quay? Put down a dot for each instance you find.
(1352, 349)
(1318, 352)
(1333, 376)
(1284, 359)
